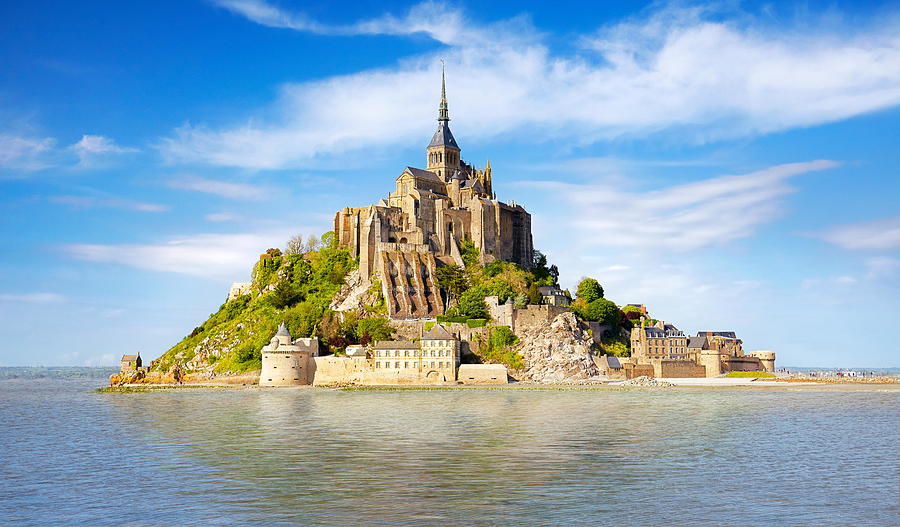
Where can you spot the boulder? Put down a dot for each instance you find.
(558, 351)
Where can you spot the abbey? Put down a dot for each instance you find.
(400, 241)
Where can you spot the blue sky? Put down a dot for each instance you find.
(731, 165)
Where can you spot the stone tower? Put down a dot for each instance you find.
(402, 240)
(442, 154)
(287, 361)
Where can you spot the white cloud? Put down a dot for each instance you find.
(678, 218)
(221, 216)
(203, 255)
(90, 148)
(674, 71)
(225, 189)
(435, 19)
(877, 235)
(24, 153)
(31, 298)
(89, 202)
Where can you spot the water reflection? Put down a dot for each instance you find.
(643, 457)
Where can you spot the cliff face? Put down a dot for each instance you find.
(558, 351)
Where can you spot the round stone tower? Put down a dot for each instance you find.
(711, 360)
(766, 360)
(287, 362)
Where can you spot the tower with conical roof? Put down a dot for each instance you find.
(442, 154)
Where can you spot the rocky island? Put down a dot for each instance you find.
(439, 283)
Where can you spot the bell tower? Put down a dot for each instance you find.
(442, 154)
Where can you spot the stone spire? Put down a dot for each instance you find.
(443, 111)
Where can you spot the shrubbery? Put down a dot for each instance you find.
(497, 348)
(302, 288)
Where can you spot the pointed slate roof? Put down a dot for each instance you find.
(282, 331)
(438, 332)
(443, 136)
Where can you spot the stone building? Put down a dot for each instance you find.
(709, 354)
(433, 359)
(130, 363)
(722, 352)
(520, 319)
(660, 341)
(402, 239)
(554, 296)
(287, 361)
(435, 355)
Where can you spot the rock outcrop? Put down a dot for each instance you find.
(355, 295)
(558, 351)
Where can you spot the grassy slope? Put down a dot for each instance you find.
(232, 337)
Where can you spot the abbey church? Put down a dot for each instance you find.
(402, 240)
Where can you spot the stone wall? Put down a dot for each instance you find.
(677, 369)
(521, 319)
(331, 370)
(638, 370)
(482, 374)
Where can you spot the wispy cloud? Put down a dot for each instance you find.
(221, 217)
(678, 218)
(203, 255)
(90, 202)
(879, 235)
(225, 189)
(32, 298)
(694, 75)
(29, 154)
(434, 19)
(25, 153)
(91, 148)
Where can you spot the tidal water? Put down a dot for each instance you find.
(468, 457)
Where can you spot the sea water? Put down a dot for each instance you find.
(677, 456)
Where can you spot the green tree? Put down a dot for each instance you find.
(589, 289)
(374, 329)
(520, 300)
(534, 295)
(285, 295)
(470, 254)
(451, 279)
(501, 337)
(329, 240)
(471, 304)
(604, 311)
